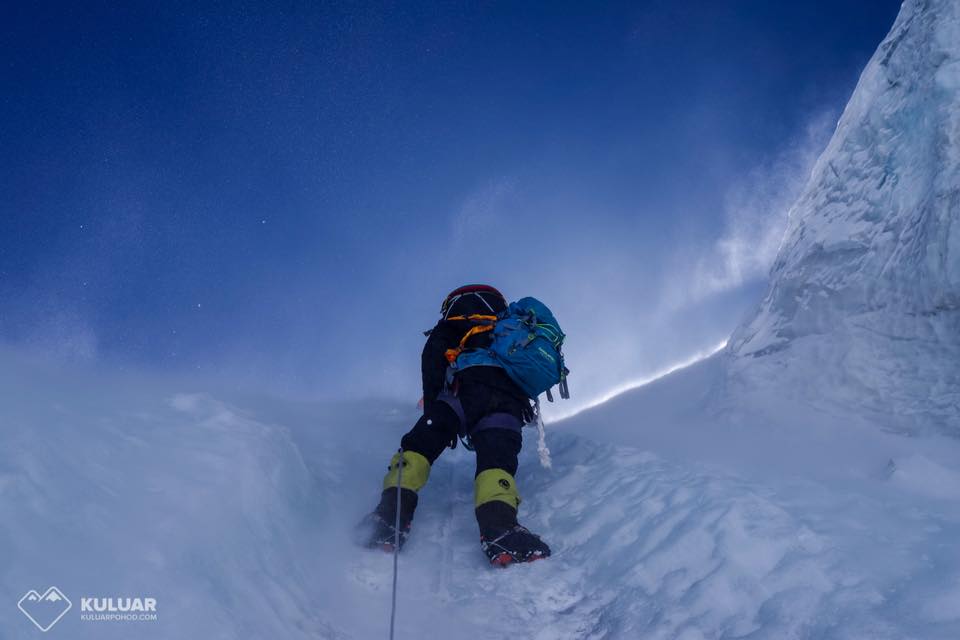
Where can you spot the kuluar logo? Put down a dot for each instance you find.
(45, 610)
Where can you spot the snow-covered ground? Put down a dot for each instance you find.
(235, 514)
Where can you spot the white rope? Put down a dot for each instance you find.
(542, 451)
(396, 544)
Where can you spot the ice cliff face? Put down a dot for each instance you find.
(863, 308)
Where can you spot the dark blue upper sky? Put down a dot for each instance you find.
(287, 190)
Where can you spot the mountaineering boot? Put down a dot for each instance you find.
(379, 529)
(517, 544)
(502, 539)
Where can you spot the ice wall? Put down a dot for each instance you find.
(863, 307)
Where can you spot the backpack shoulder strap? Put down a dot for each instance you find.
(481, 324)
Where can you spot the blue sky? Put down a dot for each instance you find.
(282, 193)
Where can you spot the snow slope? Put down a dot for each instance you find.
(110, 488)
(863, 308)
(235, 512)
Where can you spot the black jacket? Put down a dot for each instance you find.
(482, 390)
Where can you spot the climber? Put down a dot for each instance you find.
(470, 395)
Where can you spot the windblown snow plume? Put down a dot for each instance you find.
(755, 213)
(863, 308)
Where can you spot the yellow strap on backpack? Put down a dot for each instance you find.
(488, 323)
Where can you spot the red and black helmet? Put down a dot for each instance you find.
(485, 298)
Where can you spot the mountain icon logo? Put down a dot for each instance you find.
(44, 610)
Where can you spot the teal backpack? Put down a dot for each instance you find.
(526, 343)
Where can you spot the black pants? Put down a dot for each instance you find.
(438, 427)
(486, 398)
(492, 411)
